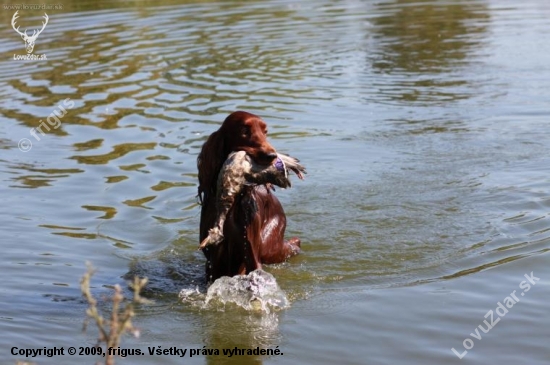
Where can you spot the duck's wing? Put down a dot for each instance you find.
(292, 164)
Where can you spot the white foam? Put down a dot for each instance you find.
(257, 291)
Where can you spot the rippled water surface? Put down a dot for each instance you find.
(424, 126)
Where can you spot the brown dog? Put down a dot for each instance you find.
(255, 225)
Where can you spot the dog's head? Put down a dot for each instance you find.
(241, 131)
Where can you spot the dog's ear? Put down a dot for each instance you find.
(209, 163)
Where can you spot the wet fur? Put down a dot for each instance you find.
(254, 229)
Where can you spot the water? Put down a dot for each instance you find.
(257, 291)
(423, 127)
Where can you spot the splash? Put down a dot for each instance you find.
(257, 291)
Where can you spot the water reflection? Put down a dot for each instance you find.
(247, 331)
(424, 46)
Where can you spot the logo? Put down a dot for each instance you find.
(29, 40)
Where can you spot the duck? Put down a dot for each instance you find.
(240, 170)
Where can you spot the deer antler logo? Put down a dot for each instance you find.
(29, 40)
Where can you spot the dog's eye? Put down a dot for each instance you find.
(245, 131)
(265, 131)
